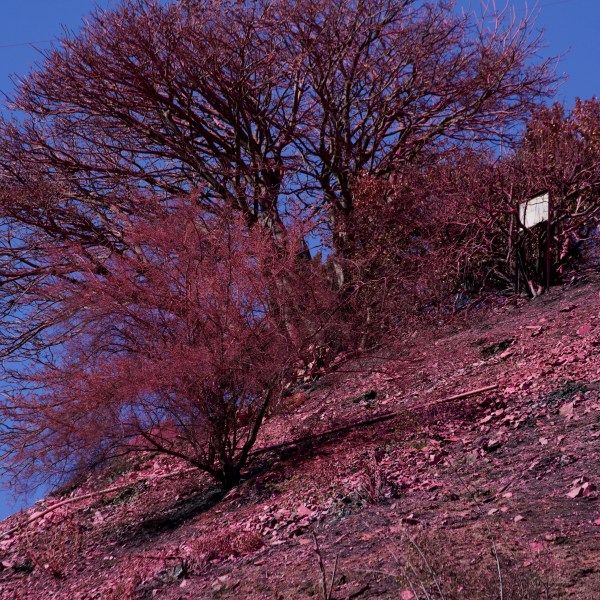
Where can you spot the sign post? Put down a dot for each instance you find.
(535, 210)
(548, 243)
(532, 212)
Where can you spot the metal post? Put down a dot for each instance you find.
(548, 242)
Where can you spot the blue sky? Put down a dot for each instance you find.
(571, 29)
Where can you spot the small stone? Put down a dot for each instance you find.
(493, 445)
(584, 330)
(410, 520)
(588, 488)
(580, 481)
(566, 410)
(568, 308)
(434, 459)
(304, 511)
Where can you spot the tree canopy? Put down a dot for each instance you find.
(160, 179)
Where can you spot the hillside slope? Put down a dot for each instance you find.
(492, 495)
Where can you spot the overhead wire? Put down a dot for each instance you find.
(17, 44)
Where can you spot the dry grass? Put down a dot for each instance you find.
(454, 565)
(219, 546)
(55, 547)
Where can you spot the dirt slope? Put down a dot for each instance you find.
(491, 496)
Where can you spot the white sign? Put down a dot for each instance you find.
(534, 210)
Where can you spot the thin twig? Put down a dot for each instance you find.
(321, 566)
(333, 577)
(372, 421)
(422, 555)
(326, 592)
(462, 395)
(404, 572)
(117, 488)
(494, 549)
(316, 436)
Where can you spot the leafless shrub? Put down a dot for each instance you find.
(373, 483)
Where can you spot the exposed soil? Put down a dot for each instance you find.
(491, 496)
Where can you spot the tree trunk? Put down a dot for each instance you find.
(229, 475)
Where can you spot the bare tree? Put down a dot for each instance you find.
(391, 81)
(264, 103)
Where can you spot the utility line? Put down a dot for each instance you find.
(16, 44)
(545, 4)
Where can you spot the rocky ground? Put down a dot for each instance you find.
(493, 495)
